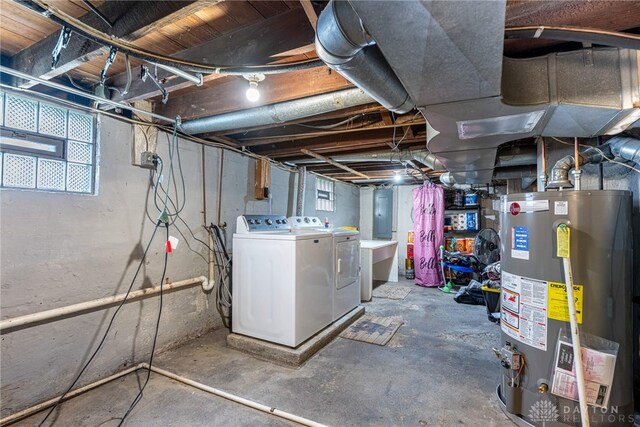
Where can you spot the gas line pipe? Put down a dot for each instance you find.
(211, 390)
(47, 316)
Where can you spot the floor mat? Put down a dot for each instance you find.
(373, 329)
(391, 291)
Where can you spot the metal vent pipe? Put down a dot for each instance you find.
(344, 45)
(626, 148)
(278, 113)
(423, 156)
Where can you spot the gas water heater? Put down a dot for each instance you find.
(538, 382)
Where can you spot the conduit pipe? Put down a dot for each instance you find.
(29, 320)
(211, 390)
(278, 113)
(344, 45)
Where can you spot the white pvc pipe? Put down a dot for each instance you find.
(22, 322)
(73, 393)
(575, 338)
(238, 399)
(208, 287)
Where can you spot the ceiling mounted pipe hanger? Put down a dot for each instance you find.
(130, 49)
(81, 93)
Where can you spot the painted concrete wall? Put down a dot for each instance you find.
(62, 249)
(347, 205)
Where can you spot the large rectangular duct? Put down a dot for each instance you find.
(582, 93)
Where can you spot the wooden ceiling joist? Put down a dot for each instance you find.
(280, 33)
(334, 163)
(131, 20)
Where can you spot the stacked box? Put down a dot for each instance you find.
(472, 220)
(410, 250)
(410, 237)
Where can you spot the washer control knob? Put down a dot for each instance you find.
(306, 219)
(299, 219)
(284, 221)
(250, 221)
(313, 220)
(258, 221)
(268, 221)
(278, 221)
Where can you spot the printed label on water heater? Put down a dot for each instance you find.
(561, 207)
(524, 310)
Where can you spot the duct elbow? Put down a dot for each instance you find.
(560, 173)
(626, 148)
(344, 45)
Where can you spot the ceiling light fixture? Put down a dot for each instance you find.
(397, 177)
(253, 94)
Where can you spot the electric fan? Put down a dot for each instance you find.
(487, 246)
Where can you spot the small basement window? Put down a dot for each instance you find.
(325, 195)
(46, 147)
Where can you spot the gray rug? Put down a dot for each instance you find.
(391, 291)
(373, 329)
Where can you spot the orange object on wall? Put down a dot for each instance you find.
(410, 237)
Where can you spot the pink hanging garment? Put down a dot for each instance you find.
(428, 228)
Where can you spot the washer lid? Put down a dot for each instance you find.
(305, 235)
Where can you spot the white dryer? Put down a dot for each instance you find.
(282, 280)
(346, 263)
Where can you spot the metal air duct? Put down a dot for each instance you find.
(278, 113)
(345, 46)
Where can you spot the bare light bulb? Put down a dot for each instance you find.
(397, 177)
(253, 94)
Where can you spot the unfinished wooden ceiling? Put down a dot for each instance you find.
(254, 33)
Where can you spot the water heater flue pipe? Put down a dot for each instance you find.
(624, 147)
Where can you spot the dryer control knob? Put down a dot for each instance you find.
(268, 221)
(258, 221)
(284, 221)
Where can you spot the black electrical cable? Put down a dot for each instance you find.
(155, 338)
(93, 35)
(106, 332)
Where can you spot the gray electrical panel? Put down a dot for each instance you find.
(382, 213)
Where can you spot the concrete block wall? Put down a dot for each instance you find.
(60, 249)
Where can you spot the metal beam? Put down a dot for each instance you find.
(334, 163)
(131, 20)
(253, 45)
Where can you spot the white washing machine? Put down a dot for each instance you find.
(282, 280)
(346, 262)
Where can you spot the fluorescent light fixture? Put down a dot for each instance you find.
(503, 125)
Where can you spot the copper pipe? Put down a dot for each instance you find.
(576, 153)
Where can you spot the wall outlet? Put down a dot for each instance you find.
(147, 160)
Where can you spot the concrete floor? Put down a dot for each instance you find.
(438, 370)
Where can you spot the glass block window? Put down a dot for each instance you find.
(325, 195)
(45, 146)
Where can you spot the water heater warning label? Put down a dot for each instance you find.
(524, 310)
